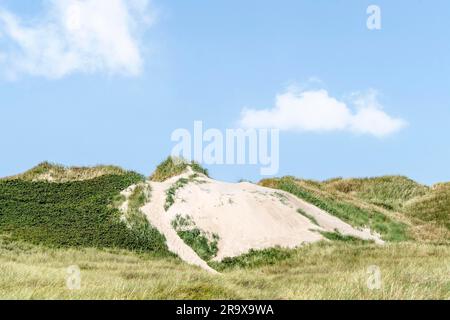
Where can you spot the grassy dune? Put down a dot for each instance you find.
(172, 167)
(53, 217)
(350, 211)
(318, 271)
(390, 192)
(58, 173)
(74, 214)
(398, 208)
(434, 206)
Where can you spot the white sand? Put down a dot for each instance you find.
(245, 216)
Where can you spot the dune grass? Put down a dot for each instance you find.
(172, 167)
(308, 216)
(433, 206)
(317, 271)
(337, 236)
(172, 191)
(390, 192)
(359, 216)
(51, 172)
(47, 227)
(203, 243)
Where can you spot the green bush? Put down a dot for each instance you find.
(204, 244)
(337, 236)
(73, 214)
(254, 259)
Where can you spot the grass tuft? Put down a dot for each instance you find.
(204, 244)
(310, 217)
(253, 259)
(172, 167)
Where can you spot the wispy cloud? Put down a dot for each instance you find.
(72, 36)
(317, 111)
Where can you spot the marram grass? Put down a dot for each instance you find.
(318, 271)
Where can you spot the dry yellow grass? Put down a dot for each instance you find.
(319, 271)
(57, 173)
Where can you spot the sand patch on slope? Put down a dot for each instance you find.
(244, 216)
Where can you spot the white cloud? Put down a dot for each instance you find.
(317, 111)
(76, 36)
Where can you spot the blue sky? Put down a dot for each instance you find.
(199, 60)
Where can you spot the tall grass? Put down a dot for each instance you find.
(432, 207)
(51, 172)
(389, 229)
(172, 167)
(390, 192)
(317, 271)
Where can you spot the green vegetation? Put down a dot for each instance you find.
(253, 259)
(140, 196)
(390, 192)
(353, 214)
(180, 183)
(136, 221)
(74, 214)
(310, 217)
(433, 206)
(337, 236)
(204, 244)
(318, 271)
(172, 167)
(57, 173)
(172, 191)
(46, 227)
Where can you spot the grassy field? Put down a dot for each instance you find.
(318, 271)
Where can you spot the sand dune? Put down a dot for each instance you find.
(244, 216)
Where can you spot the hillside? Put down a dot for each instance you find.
(390, 192)
(50, 172)
(433, 206)
(396, 207)
(221, 220)
(72, 213)
(123, 227)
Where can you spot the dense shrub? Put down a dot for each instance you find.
(72, 214)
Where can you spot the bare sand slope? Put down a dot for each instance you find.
(243, 215)
(157, 216)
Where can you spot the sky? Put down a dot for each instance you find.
(85, 82)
